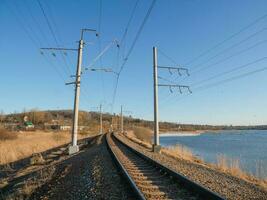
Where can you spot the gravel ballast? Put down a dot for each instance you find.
(89, 174)
(227, 186)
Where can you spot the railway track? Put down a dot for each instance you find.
(152, 180)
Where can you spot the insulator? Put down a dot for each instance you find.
(180, 90)
(187, 73)
(189, 90)
(171, 89)
(179, 72)
(170, 71)
(53, 54)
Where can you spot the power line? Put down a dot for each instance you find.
(137, 35)
(226, 50)
(231, 47)
(26, 31)
(222, 42)
(232, 79)
(230, 71)
(59, 36)
(127, 26)
(131, 49)
(228, 38)
(34, 40)
(100, 45)
(231, 56)
(34, 19)
(168, 57)
(36, 22)
(224, 59)
(53, 33)
(122, 44)
(205, 87)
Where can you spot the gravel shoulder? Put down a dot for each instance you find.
(229, 187)
(89, 174)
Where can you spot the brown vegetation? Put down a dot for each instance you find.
(231, 166)
(28, 143)
(7, 135)
(142, 133)
(181, 152)
(224, 164)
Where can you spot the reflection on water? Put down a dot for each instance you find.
(249, 147)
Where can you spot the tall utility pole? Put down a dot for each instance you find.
(75, 148)
(101, 123)
(112, 123)
(156, 146)
(121, 120)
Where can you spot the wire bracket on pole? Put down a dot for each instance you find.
(71, 83)
(59, 49)
(179, 69)
(180, 87)
(106, 70)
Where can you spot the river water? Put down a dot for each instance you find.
(248, 146)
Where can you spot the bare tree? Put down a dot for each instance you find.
(2, 116)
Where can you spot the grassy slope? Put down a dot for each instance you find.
(24, 144)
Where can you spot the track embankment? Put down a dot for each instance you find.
(152, 180)
(89, 174)
(227, 186)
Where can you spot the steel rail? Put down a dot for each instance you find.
(186, 182)
(137, 192)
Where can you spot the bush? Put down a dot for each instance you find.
(58, 136)
(7, 135)
(143, 133)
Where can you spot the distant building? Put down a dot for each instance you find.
(57, 127)
(64, 127)
(28, 125)
(12, 126)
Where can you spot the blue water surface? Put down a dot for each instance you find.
(248, 146)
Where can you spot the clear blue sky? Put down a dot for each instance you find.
(182, 29)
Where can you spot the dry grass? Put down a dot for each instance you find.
(131, 135)
(7, 135)
(29, 143)
(180, 152)
(224, 164)
(230, 166)
(143, 134)
(30, 185)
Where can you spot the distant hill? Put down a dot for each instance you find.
(39, 118)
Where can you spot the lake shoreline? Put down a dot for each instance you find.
(242, 147)
(196, 132)
(235, 186)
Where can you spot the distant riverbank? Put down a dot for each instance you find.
(183, 133)
(247, 147)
